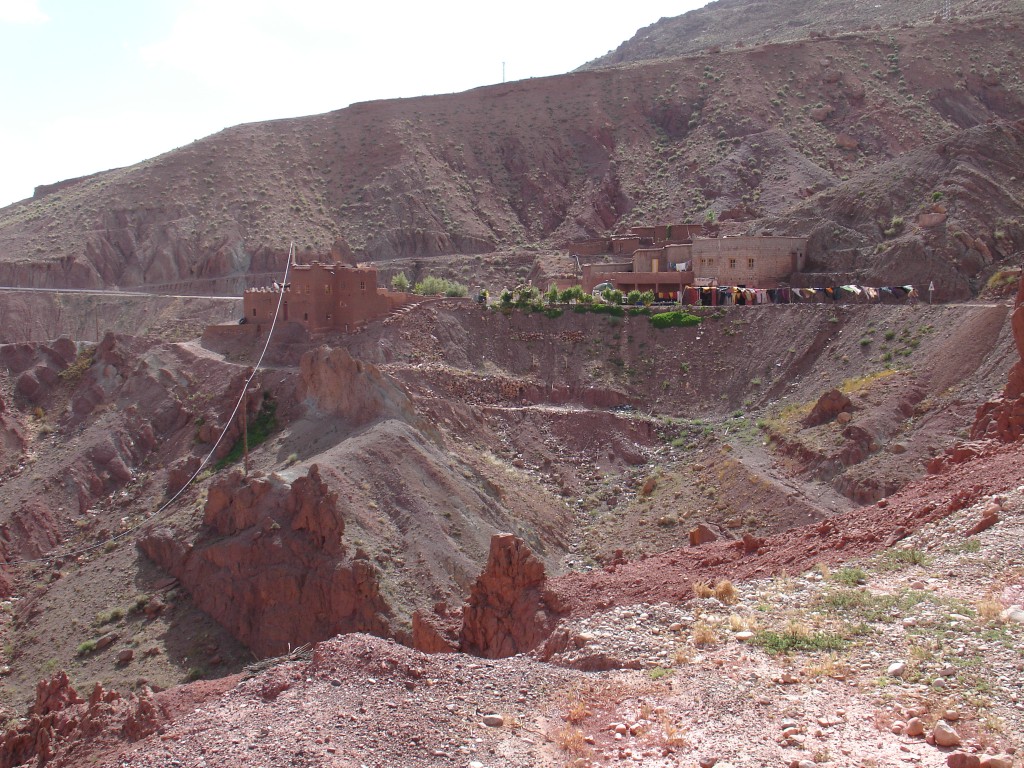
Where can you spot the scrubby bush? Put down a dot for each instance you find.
(400, 282)
(438, 286)
(674, 319)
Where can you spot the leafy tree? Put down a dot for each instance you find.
(647, 298)
(527, 294)
(552, 295)
(400, 282)
(633, 297)
(573, 293)
(612, 295)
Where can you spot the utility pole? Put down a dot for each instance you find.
(503, 71)
(245, 431)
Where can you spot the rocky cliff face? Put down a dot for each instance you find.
(508, 611)
(336, 384)
(271, 566)
(1003, 418)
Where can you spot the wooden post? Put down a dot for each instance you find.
(245, 432)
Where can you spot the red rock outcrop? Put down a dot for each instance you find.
(336, 383)
(437, 633)
(271, 566)
(1003, 418)
(60, 719)
(508, 611)
(829, 405)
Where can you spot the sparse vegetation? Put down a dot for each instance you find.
(82, 363)
(674, 319)
(85, 648)
(791, 640)
(438, 286)
(260, 428)
(400, 282)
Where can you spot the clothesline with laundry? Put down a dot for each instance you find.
(723, 296)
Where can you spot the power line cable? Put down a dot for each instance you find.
(206, 461)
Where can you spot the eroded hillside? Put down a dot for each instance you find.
(765, 136)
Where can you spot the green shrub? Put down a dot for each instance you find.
(196, 673)
(77, 369)
(851, 577)
(260, 429)
(784, 642)
(438, 286)
(633, 297)
(400, 282)
(109, 617)
(86, 648)
(674, 319)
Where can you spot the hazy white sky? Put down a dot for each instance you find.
(88, 85)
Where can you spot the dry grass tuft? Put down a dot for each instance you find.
(572, 740)
(704, 634)
(726, 592)
(703, 589)
(830, 666)
(989, 609)
(673, 734)
(577, 711)
(683, 655)
(798, 628)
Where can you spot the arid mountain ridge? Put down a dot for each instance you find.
(741, 23)
(845, 138)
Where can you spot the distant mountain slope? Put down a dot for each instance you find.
(741, 23)
(751, 137)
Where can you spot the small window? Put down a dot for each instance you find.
(327, 288)
(750, 263)
(711, 262)
(732, 263)
(306, 289)
(254, 311)
(305, 315)
(362, 285)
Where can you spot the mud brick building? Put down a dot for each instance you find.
(324, 296)
(753, 262)
(665, 259)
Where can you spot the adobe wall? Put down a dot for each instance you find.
(678, 254)
(590, 247)
(649, 260)
(325, 297)
(752, 261)
(682, 233)
(664, 284)
(593, 274)
(625, 246)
